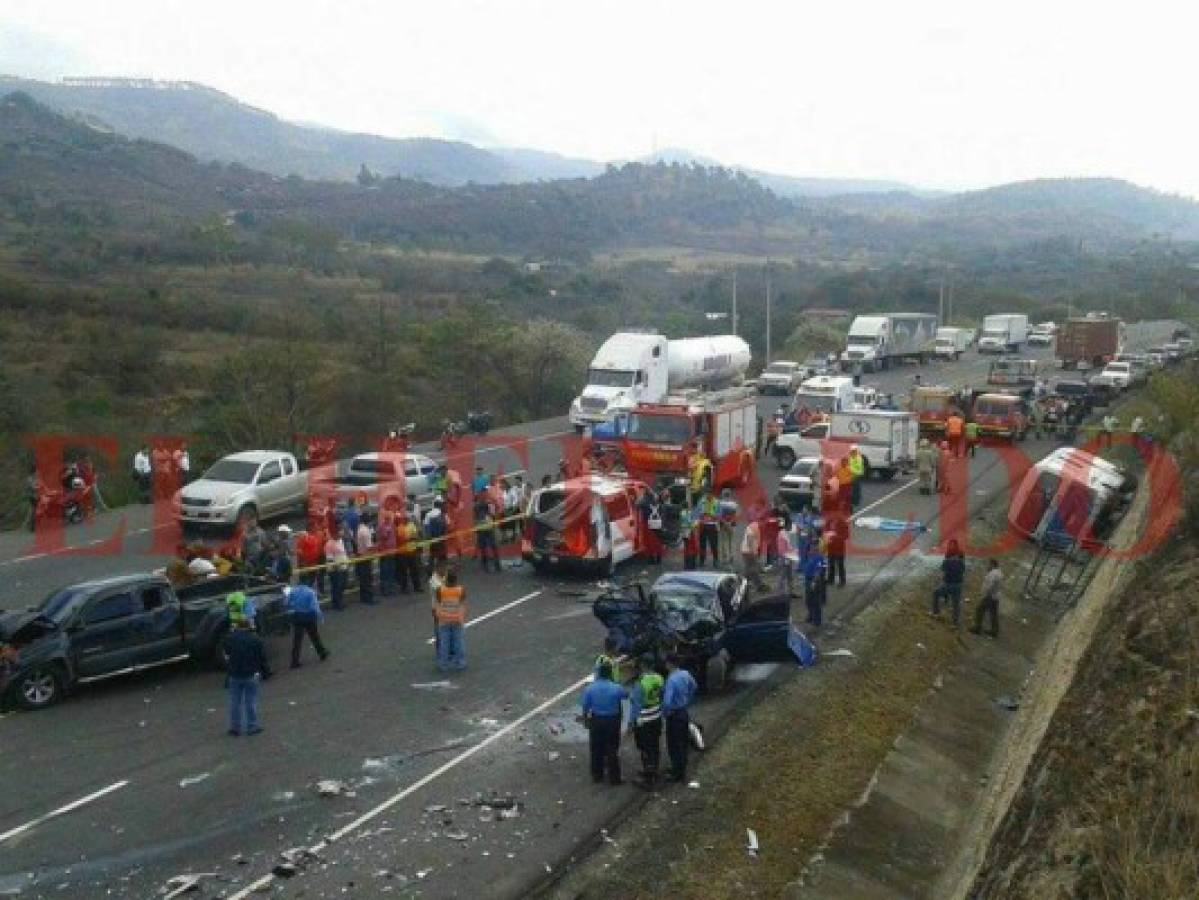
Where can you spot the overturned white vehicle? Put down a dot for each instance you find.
(1069, 496)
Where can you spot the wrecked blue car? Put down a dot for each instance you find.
(707, 618)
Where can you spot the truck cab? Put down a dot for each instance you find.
(1001, 415)
(866, 343)
(932, 404)
(1013, 372)
(629, 368)
(826, 394)
(661, 438)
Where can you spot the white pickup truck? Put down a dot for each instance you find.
(243, 488)
(886, 439)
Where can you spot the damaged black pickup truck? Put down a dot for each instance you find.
(98, 629)
(710, 620)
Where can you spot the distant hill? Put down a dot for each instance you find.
(61, 172)
(214, 126)
(66, 173)
(789, 185)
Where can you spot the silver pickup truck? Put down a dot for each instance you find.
(245, 487)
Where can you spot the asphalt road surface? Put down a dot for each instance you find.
(132, 781)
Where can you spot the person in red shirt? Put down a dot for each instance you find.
(310, 548)
(836, 534)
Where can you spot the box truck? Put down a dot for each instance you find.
(950, 343)
(1003, 333)
(636, 367)
(1091, 341)
(875, 342)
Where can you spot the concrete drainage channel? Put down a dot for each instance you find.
(946, 785)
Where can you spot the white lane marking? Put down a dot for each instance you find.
(62, 810)
(495, 612)
(882, 500)
(517, 440)
(75, 547)
(391, 801)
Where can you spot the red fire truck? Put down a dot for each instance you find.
(661, 439)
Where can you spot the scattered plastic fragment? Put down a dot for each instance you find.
(878, 523)
(840, 651)
(804, 649)
(193, 779)
(694, 785)
(331, 787)
(184, 884)
(697, 735)
(457, 834)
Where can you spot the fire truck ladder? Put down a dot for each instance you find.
(1060, 571)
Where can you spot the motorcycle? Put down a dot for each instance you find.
(478, 421)
(71, 504)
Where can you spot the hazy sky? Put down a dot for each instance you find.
(945, 94)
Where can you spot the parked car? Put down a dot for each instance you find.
(780, 377)
(801, 485)
(112, 626)
(1116, 375)
(243, 488)
(708, 619)
(380, 479)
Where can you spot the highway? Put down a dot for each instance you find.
(132, 781)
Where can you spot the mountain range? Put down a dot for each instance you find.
(212, 125)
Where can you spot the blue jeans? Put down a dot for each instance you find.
(243, 695)
(952, 593)
(451, 651)
(337, 587)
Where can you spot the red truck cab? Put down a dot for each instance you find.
(1003, 415)
(661, 439)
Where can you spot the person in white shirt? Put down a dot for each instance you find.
(142, 472)
(338, 561)
(364, 566)
(1110, 424)
(183, 463)
(988, 606)
(751, 547)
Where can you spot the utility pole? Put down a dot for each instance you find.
(941, 301)
(734, 300)
(767, 312)
(949, 302)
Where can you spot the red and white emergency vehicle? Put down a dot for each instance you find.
(587, 523)
(661, 439)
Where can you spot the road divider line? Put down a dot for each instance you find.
(884, 499)
(411, 789)
(62, 810)
(495, 612)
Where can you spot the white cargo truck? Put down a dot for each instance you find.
(1003, 333)
(886, 439)
(636, 367)
(875, 342)
(951, 343)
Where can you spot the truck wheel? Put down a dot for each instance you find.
(247, 516)
(886, 474)
(715, 673)
(38, 688)
(785, 457)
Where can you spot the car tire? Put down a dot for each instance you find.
(784, 457)
(716, 673)
(38, 688)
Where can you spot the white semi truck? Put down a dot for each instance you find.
(637, 367)
(875, 342)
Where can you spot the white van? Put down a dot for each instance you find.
(588, 523)
(826, 394)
